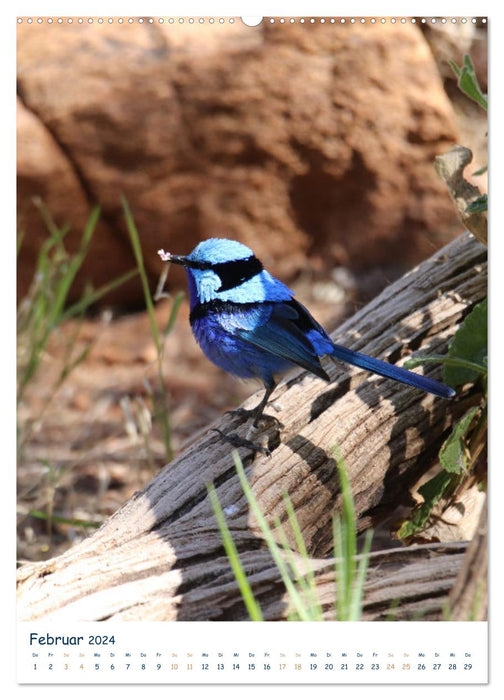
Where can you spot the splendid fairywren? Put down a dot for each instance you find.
(249, 324)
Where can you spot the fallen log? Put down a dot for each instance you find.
(160, 556)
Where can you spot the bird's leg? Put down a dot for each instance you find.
(257, 412)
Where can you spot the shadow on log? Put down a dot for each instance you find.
(160, 557)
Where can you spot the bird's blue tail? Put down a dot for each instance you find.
(385, 369)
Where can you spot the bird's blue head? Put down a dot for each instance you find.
(223, 269)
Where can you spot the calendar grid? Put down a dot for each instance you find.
(191, 652)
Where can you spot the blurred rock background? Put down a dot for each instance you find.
(311, 143)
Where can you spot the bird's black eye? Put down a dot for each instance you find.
(236, 272)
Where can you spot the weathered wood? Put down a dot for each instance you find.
(160, 556)
(402, 583)
(469, 596)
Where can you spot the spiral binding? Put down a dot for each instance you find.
(257, 21)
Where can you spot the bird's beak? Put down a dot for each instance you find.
(178, 259)
(169, 257)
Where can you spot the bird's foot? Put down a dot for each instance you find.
(263, 419)
(241, 412)
(238, 441)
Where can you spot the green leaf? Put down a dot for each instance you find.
(444, 359)
(469, 343)
(469, 85)
(481, 171)
(432, 492)
(468, 82)
(453, 454)
(479, 204)
(455, 68)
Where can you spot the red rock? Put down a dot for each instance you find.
(294, 139)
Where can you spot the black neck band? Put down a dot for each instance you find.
(216, 306)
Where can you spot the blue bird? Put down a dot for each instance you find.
(249, 324)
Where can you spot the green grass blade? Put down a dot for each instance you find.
(310, 589)
(274, 549)
(349, 533)
(251, 604)
(75, 522)
(73, 267)
(305, 581)
(358, 590)
(137, 249)
(161, 410)
(349, 578)
(340, 570)
(95, 295)
(177, 300)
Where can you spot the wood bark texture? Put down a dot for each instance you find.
(160, 557)
(469, 596)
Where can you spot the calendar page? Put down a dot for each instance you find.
(252, 349)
